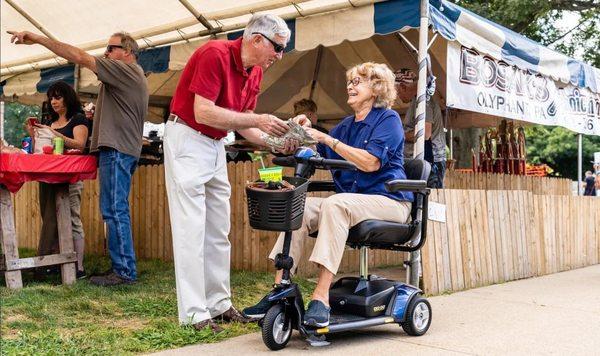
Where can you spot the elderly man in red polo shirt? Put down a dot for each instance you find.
(217, 92)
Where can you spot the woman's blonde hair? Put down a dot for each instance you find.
(381, 80)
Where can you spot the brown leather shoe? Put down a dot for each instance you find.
(233, 315)
(210, 324)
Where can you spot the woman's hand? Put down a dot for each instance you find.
(29, 129)
(317, 135)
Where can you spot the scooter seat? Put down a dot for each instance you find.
(378, 233)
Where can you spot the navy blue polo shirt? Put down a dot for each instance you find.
(380, 134)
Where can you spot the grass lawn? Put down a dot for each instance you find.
(48, 318)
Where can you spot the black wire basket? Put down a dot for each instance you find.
(277, 210)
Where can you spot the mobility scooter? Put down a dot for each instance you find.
(356, 302)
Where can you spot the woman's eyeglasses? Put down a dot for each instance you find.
(55, 97)
(110, 48)
(276, 46)
(356, 81)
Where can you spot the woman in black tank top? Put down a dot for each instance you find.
(67, 121)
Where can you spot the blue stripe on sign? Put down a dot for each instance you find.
(517, 49)
(391, 16)
(52, 75)
(520, 50)
(291, 43)
(155, 60)
(578, 72)
(589, 77)
(443, 18)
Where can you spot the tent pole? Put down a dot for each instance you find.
(31, 20)
(432, 40)
(197, 15)
(579, 163)
(2, 121)
(419, 147)
(76, 81)
(451, 144)
(313, 84)
(402, 37)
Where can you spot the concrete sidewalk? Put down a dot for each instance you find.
(554, 314)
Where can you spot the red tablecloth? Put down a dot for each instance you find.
(16, 169)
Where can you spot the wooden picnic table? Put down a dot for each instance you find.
(15, 170)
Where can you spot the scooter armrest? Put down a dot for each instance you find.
(406, 185)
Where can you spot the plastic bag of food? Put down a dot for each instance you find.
(296, 132)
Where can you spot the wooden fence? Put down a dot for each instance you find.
(495, 181)
(496, 236)
(152, 230)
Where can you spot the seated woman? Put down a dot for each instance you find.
(67, 121)
(372, 139)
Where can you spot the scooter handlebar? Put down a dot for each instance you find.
(317, 162)
(325, 163)
(286, 161)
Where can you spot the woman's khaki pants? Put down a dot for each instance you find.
(333, 217)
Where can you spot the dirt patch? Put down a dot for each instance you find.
(11, 333)
(124, 323)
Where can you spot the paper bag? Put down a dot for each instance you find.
(43, 137)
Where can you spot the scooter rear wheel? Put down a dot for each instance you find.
(418, 317)
(275, 333)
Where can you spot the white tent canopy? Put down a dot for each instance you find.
(87, 24)
(328, 36)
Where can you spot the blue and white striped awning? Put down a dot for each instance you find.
(457, 24)
(359, 23)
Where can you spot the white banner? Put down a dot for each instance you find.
(482, 84)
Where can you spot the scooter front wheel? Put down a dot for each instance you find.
(276, 331)
(418, 318)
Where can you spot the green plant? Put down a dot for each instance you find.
(15, 115)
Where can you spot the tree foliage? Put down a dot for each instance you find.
(15, 115)
(557, 147)
(537, 20)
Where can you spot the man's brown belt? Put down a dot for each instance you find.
(178, 120)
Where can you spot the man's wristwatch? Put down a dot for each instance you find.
(334, 143)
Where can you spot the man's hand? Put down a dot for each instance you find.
(23, 37)
(302, 120)
(272, 125)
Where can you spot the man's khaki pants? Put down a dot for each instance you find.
(333, 217)
(198, 192)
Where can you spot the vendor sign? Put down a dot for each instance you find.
(482, 84)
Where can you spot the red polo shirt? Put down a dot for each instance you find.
(215, 72)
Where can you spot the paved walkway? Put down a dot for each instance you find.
(556, 314)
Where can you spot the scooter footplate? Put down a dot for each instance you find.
(344, 318)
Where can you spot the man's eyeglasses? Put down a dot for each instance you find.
(276, 46)
(355, 81)
(110, 48)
